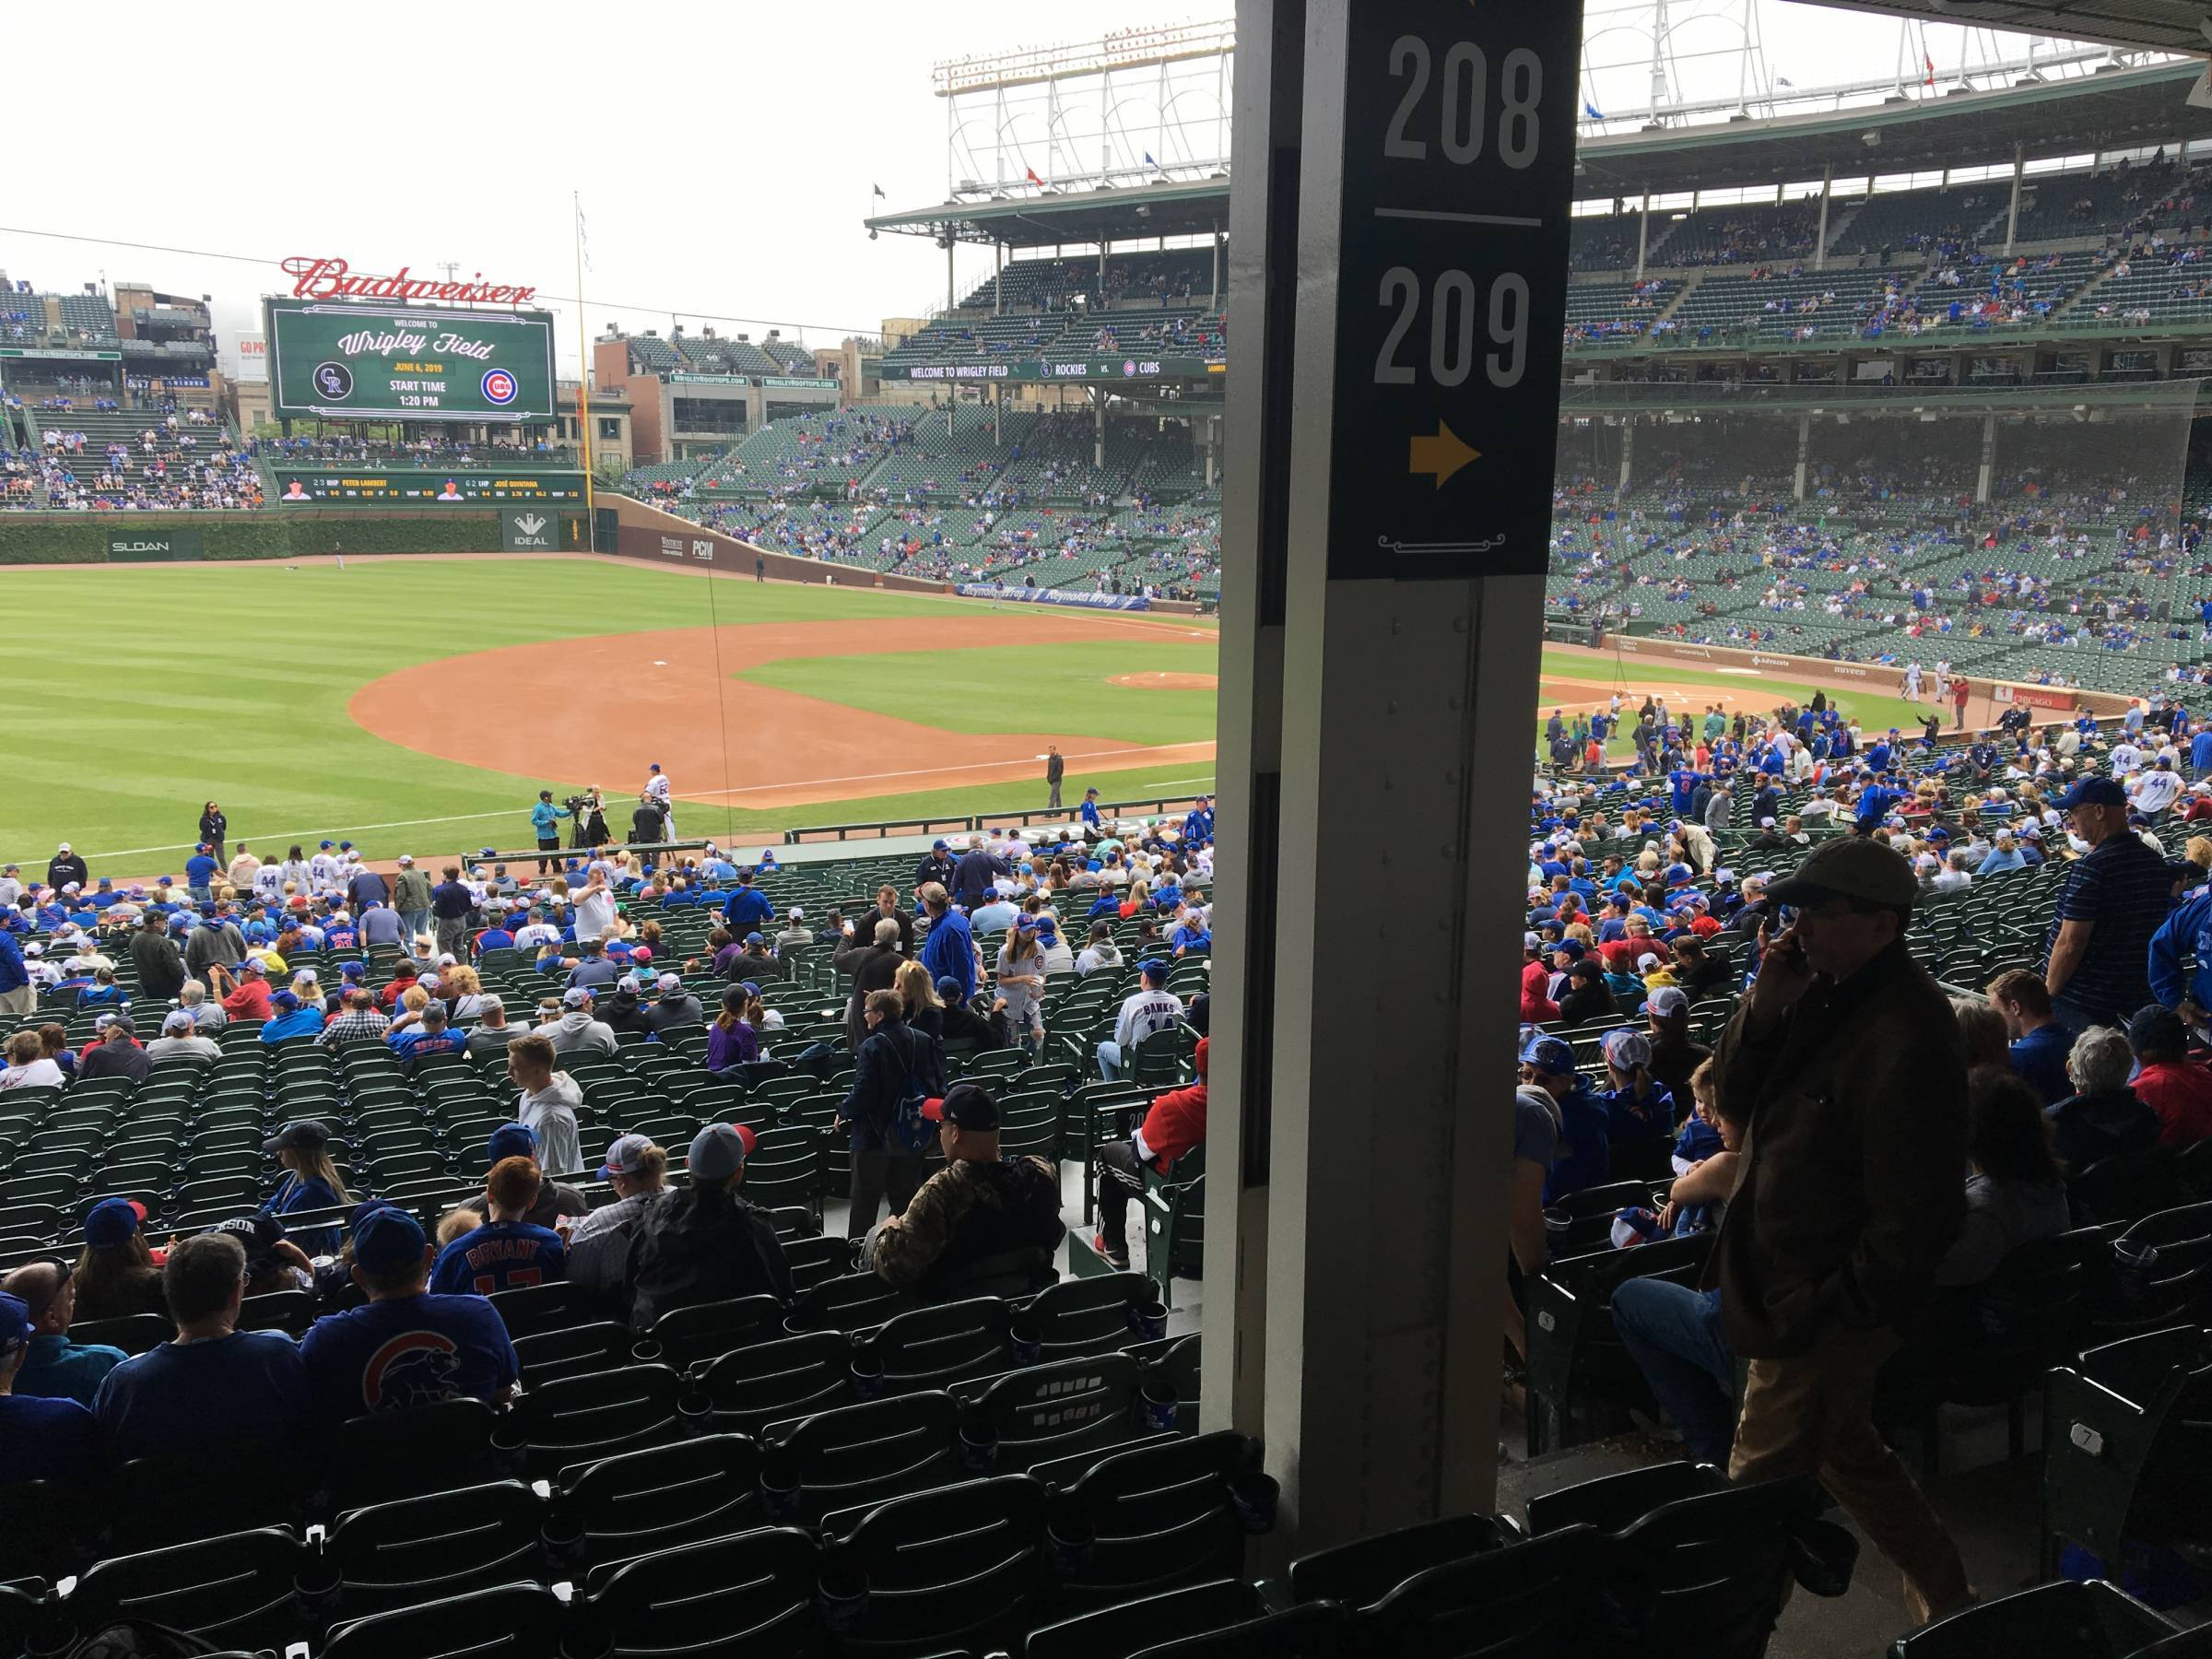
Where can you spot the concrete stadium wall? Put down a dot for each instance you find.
(643, 531)
(51, 539)
(1820, 671)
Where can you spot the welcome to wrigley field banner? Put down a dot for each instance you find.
(984, 590)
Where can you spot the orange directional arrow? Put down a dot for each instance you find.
(1442, 454)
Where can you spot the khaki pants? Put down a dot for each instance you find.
(1811, 1414)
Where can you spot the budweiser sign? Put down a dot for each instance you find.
(317, 278)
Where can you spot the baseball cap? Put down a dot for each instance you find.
(15, 1329)
(948, 989)
(1152, 967)
(407, 858)
(285, 1000)
(175, 1021)
(718, 1151)
(1668, 1000)
(625, 1156)
(2094, 792)
(352, 970)
(670, 985)
(754, 938)
(511, 1140)
(1549, 1054)
(2157, 1028)
(576, 996)
(386, 1239)
(941, 847)
(1530, 941)
(1628, 1049)
(965, 1106)
(251, 965)
(1855, 868)
(629, 985)
(798, 913)
(305, 1136)
(112, 1221)
(1569, 948)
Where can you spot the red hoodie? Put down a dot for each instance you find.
(1535, 1007)
(1177, 1121)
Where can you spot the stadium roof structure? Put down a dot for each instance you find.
(2163, 25)
(1045, 217)
(2119, 106)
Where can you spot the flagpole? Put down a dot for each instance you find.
(583, 383)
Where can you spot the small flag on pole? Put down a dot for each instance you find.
(876, 188)
(1148, 162)
(1930, 61)
(584, 240)
(1591, 109)
(1031, 174)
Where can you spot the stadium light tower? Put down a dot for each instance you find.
(1135, 106)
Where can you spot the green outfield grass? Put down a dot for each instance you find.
(136, 692)
(1060, 689)
(1874, 711)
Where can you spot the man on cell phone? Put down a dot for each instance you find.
(1845, 1062)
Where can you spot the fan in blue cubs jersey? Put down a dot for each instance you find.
(507, 1251)
(406, 1346)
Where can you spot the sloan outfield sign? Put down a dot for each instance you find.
(347, 361)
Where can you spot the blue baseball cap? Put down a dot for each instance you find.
(511, 1140)
(112, 1221)
(15, 1329)
(1152, 967)
(386, 1240)
(326, 845)
(2094, 792)
(1549, 1054)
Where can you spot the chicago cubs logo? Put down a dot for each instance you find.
(500, 387)
(1128, 365)
(416, 1368)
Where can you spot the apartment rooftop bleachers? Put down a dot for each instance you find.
(654, 355)
(89, 316)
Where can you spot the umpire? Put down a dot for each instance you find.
(1846, 1064)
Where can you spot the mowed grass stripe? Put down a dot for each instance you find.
(986, 690)
(134, 693)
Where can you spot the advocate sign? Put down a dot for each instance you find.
(320, 277)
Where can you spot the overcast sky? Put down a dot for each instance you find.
(725, 165)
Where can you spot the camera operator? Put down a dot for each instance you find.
(648, 823)
(545, 823)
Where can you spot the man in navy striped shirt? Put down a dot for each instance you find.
(2115, 898)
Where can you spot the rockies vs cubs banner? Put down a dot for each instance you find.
(341, 360)
(1120, 602)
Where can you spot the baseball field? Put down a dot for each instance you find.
(419, 704)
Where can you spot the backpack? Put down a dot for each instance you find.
(908, 1130)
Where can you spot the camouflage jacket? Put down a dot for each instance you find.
(967, 1212)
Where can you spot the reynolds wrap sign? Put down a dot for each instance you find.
(984, 590)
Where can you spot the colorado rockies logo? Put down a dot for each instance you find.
(334, 380)
(500, 387)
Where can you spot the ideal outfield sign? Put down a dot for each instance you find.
(984, 590)
(1130, 368)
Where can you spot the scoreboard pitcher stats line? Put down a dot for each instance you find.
(341, 361)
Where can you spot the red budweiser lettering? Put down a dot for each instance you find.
(316, 278)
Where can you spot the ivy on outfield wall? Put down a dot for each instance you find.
(82, 538)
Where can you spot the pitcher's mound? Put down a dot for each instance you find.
(1161, 680)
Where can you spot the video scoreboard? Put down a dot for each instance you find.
(337, 361)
